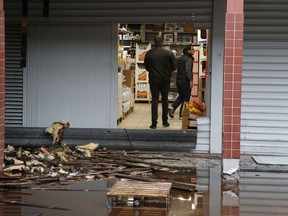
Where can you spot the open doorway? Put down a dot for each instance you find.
(134, 107)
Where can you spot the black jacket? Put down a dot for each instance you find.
(184, 68)
(160, 63)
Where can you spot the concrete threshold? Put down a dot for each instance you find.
(114, 139)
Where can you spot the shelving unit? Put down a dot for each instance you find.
(142, 88)
(195, 73)
(175, 35)
(202, 72)
(126, 74)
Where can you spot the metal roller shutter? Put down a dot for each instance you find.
(264, 115)
(118, 11)
(13, 77)
(263, 193)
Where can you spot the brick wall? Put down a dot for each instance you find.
(232, 79)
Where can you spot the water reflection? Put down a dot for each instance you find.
(259, 193)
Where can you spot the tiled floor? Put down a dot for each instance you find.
(140, 118)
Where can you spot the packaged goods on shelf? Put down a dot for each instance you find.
(126, 106)
(142, 94)
(178, 27)
(126, 94)
(169, 27)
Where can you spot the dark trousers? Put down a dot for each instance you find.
(184, 91)
(156, 87)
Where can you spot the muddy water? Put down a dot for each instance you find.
(258, 193)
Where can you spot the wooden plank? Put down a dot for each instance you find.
(128, 211)
(143, 189)
(175, 184)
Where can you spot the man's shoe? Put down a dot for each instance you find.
(153, 126)
(166, 124)
(171, 112)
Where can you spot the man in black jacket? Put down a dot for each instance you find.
(160, 63)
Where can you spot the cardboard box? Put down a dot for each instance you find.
(185, 122)
(188, 27)
(185, 112)
(129, 77)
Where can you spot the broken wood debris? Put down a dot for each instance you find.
(56, 130)
(64, 165)
(14, 202)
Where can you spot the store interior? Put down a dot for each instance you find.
(134, 97)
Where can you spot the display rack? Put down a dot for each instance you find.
(175, 35)
(142, 88)
(202, 72)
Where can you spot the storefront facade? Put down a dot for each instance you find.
(53, 29)
(247, 93)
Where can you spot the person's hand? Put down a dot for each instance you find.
(191, 84)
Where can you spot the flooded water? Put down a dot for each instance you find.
(258, 193)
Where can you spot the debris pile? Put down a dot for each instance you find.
(56, 130)
(84, 162)
(44, 162)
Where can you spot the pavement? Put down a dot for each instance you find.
(187, 161)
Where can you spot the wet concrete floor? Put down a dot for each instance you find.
(257, 193)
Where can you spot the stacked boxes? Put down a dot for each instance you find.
(129, 78)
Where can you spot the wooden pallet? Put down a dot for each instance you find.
(140, 189)
(135, 211)
(119, 120)
(142, 192)
(125, 114)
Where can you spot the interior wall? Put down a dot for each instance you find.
(70, 75)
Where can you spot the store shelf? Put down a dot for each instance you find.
(172, 33)
(142, 88)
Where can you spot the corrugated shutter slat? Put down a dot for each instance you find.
(13, 77)
(116, 11)
(264, 114)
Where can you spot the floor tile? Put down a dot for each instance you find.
(140, 118)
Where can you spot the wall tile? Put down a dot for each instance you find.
(230, 26)
(228, 85)
(227, 141)
(226, 153)
(229, 43)
(236, 153)
(229, 51)
(228, 77)
(233, 78)
(239, 43)
(229, 35)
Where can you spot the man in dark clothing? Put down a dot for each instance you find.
(183, 79)
(160, 63)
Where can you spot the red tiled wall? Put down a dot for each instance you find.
(230, 211)
(232, 78)
(2, 82)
